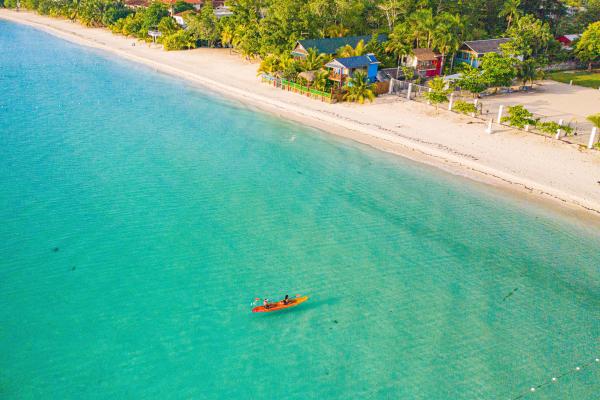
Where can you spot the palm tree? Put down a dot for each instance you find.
(335, 31)
(313, 60)
(268, 65)
(227, 36)
(349, 51)
(510, 10)
(422, 24)
(398, 44)
(321, 79)
(594, 119)
(440, 89)
(526, 71)
(447, 35)
(359, 89)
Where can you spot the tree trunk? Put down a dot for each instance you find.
(590, 66)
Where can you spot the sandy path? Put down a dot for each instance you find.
(509, 159)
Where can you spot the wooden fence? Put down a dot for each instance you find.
(291, 86)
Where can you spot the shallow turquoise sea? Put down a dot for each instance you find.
(140, 216)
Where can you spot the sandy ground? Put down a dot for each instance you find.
(566, 174)
(555, 101)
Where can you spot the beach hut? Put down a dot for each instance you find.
(425, 62)
(344, 68)
(470, 52)
(330, 46)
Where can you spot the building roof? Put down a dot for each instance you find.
(425, 54)
(353, 62)
(331, 45)
(571, 37)
(486, 46)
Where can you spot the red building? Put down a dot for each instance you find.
(425, 62)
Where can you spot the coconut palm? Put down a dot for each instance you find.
(594, 119)
(447, 35)
(226, 36)
(422, 26)
(358, 89)
(335, 31)
(510, 11)
(268, 65)
(527, 71)
(321, 80)
(440, 89)
(398, 44)
(349, 51)
(313, 60)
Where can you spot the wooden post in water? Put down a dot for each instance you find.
(592, 138)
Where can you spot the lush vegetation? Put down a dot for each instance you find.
(269, 29)
(518, 116)
(463, 107)
(587, 79)
(359, 89)
(438, 92)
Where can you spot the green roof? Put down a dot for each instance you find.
(331, 45)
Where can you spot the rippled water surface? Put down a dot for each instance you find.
(140, 216)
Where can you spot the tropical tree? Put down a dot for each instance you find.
(167, 26)
(527, 71)
(447, 35)
(226, 35)
(421, 25)
(336, 30)
(594, 119)
(399, 45)
(313, 60)
(349, 51)
(497, 70)
(510, 11)
(268, 65)
(359, 89)
(391, 9)
(321, 80)
(180, 40)
(472, 80)
(439, 91)
(530, 38)
(588, 46)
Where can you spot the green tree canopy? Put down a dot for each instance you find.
(588, 46)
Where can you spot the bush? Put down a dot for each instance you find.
(464, 108)
(552, 127)
(180, 40)
(519, 116)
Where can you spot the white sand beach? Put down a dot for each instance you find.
(566, 174)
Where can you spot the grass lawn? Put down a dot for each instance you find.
(581, 78)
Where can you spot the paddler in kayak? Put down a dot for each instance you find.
(266, 303)
(286, 301)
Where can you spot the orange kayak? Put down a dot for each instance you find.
(280, 306)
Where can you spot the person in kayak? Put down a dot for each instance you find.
(266, 303)
(286, 301)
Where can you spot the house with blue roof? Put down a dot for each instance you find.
(344, 68)
(330, 46)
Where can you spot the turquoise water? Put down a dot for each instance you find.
(141, 216)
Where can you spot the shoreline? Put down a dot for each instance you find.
(341, 120)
